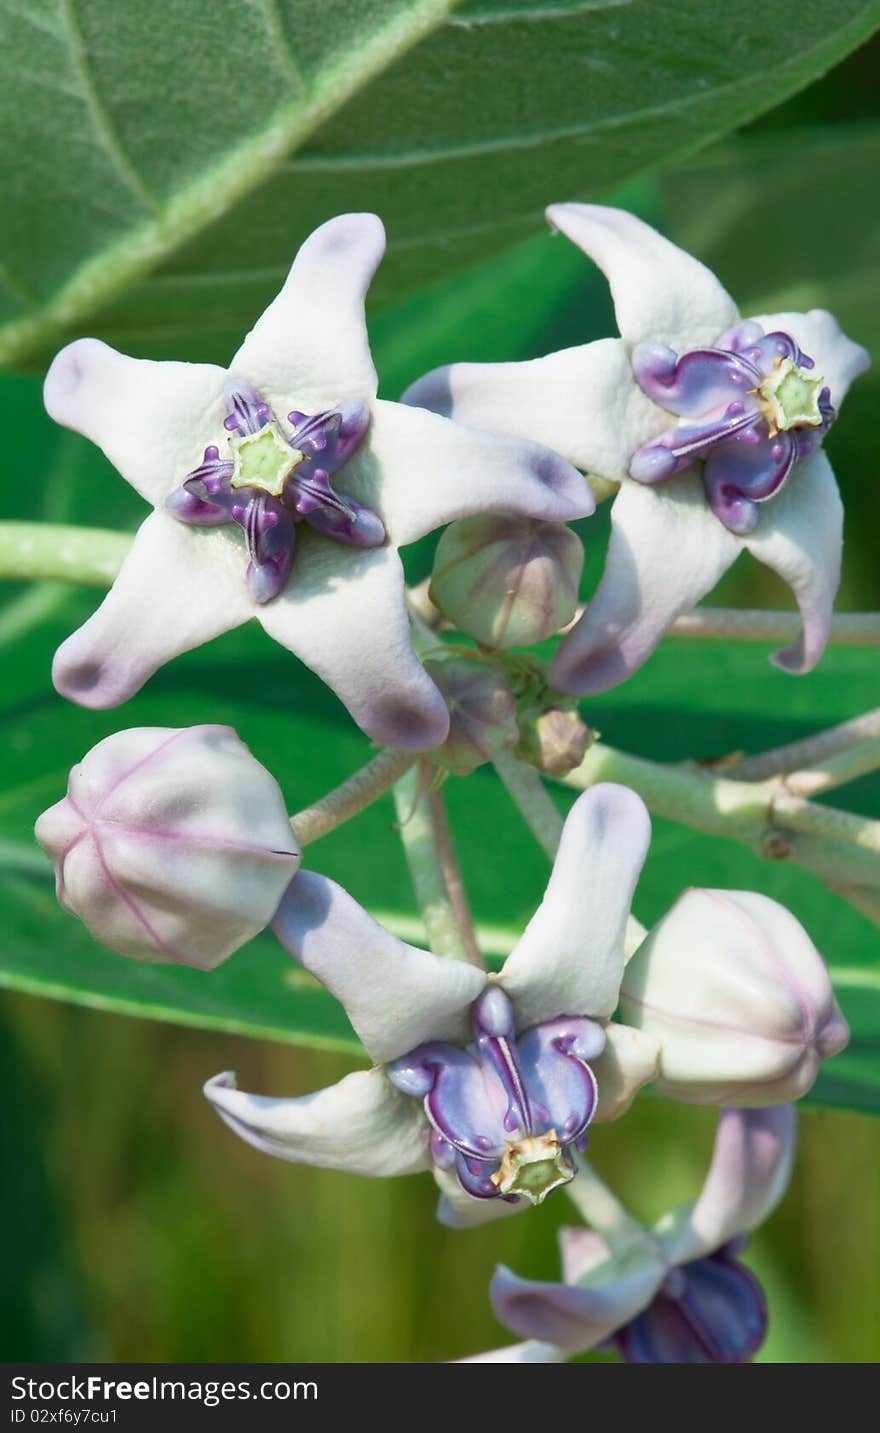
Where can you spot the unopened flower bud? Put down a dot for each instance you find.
(171, 845)
(738, 997)
(554, 740)
(507, 581)
(482, 713)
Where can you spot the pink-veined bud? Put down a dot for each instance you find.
(738, 998)
(171, 844)
(482, 713)
(508, 581)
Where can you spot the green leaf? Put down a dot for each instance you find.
(160, 163)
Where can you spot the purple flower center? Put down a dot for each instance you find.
(751, 408)
(267, 480)
(709, 1311)
(507, 1110)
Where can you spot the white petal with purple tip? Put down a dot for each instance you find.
(575, 1317)
(310, 350)
(178, 587)
(345, 616)
(153, 420)
(396, 996)
(569, 961)
(361, 1125)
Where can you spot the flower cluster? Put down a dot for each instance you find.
(282, 490)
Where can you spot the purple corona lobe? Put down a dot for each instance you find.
(506, 1110)
(711, 1310)
(266, 481)
(751, 408)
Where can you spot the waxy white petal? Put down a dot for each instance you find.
(661, 294)
(309, 350)
(153, 420)
(529, 1352)
(584, 402)
(344, 614)
(396, 996)
(629, 1061)
(569, 960)
(361, 1125)
(800, 535)
(576, 1317)
(750, 1171)
(838, 360)
(420, 471)
(179, 586)
(667, 551)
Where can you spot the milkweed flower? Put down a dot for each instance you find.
(171, 844)
(711, 424)
(679, 1294)
(491, 1081)
(282, 491)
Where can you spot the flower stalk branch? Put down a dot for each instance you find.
(421, 846)
(352, 796)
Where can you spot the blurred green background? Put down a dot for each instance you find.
(137, 1226)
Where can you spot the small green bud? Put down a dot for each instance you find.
(482, 712)
(507, 581)
(554, 740)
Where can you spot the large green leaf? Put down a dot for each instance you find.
(160, 162)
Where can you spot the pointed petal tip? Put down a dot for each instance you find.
(67, 372)
(833, 1035)
(85, 682)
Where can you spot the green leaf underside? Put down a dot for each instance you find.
(185, 150)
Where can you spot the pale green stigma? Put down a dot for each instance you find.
(533, 1166)
(263, 460)
(789, 398)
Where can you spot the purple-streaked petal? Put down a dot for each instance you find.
(246, 410)
(330, 440)
(661, 294)
(836, 358)
(720, 1316)
(464, 1099)
(703, 380)
(749, 1174)
(667, 551)
(746, 469)
(569, 960)
(629, 1061)
(361, 1125)
(396, 996)
(582, 402)
(178, 587)
(574, 1317)
(269, 535)
(561, 1086)
(344, 614)
(800, 536)
(309, 350)
(419, 471)
(678, 447)
(337, 515)
(187, 506)
(151, 419)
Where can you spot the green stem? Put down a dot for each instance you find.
(532, 800)
(420, 847)
(454, 882)
(848, 629)
(88, 555)
(353, 796)
(603, 1211)
(815, 750)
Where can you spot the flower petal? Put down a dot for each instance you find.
(344, 614)
(667, 550)
(720, 1316)
(660, 293)
(310, 350)
(629, 1060)
(153, 420)
(529, 1352)
(800, 535)
(459, 1210)
(750, 1170)
(361, 1125)
(572, 1316)
(419, 471)
(396, 996)
(838, 360)
(179, 586)
(569, 960)
(583, 402)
